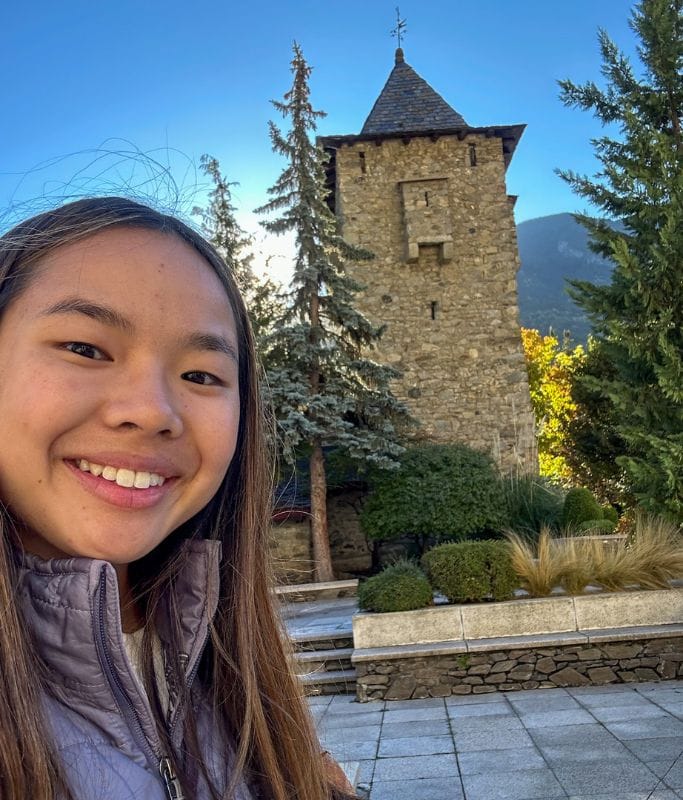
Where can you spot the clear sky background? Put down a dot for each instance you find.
(86, 84)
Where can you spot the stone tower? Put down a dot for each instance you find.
(425, 192)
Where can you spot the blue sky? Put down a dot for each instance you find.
(176, 80)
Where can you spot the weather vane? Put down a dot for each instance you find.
(400, 29)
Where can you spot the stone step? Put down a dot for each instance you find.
(327, 640)
(342, 681)
(323, 660)
(301, 592)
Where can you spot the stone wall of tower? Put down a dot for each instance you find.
(436, 214)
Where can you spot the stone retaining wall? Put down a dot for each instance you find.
(508, 670)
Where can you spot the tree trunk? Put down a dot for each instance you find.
(322, 559)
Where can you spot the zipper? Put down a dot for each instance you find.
(171, 783)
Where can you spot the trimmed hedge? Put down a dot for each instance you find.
(471, 571)
(399, 587)
(438, 492)
(597, 526)
(580, 506)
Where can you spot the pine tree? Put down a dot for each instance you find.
(638, 317)
(326, 392)
(220, 226)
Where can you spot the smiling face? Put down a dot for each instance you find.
(119, 397)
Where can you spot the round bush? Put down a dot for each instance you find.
(597, 526)
(580, 506)
(438, 492)
(471, 571)
(399, 587)
(610, 512)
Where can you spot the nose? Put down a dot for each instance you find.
(144, 401)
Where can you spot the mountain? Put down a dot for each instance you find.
(552, 249)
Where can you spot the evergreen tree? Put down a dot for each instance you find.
(220, 226)
(326, 392)
(638, 317)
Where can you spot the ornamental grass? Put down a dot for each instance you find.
(650, 559)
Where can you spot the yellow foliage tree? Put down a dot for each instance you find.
(551, 368)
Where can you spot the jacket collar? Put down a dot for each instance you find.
(71, 607)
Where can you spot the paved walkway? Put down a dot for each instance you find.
(592, 743)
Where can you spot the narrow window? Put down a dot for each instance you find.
(426, 198)
(434, 308)
(472, 150)
(361, 159)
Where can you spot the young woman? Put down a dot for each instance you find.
(140, 656)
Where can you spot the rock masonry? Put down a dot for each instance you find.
(513, 670)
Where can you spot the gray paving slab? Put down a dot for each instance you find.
(485, 710)
(351, 750)
(611, 699)
(490, 761)
(670, 748)
(359, 734)
(425, 727)
(544, 719)
(577, 752)
(422, 746)
(414, 767)
(522, 703)
(425, 789)
(657, 795)
(330, 720)
(413, 714)
(625, 713)
(652, 728)
(605, 776)
(492, 739)
(526, 784)
(673, 777)
(495, 721)
(477, 699)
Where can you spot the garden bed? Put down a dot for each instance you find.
(520, 644)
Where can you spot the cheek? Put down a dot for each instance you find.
(220, 439)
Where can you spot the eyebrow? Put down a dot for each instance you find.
(112, 318)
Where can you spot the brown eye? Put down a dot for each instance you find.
(203, 378)
(86, 350)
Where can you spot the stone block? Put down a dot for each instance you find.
(483, 689)
(667, 669)
(591, 654)
(569, 677)
(497, 678)
(503, 666)
(521, 673)
(545, 665)
(646, 674)
(621, 651)
(602, 675)
(423, 626)
(440, 690)
(401, 688)
(461, 689)
(519, 617)
(626, 609)
(627, 676)
(480, 669)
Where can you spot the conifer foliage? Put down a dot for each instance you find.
(234, 244)
(638, 317)
(326, 392)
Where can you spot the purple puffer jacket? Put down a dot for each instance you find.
(100, 715)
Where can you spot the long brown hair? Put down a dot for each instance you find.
(245, 672)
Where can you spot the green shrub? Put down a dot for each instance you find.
(580, 506)
(610, 512)
(400, 587)
(596, 526)
(438, 492)
(471, 571)
(532, 503)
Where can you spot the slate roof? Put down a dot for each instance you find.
(408, 103)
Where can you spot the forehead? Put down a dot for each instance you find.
(140, 272)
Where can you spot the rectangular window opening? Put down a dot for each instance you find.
(472, 150)
(435, 307)
(426, 198)
(361, 159)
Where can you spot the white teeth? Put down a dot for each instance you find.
(109, 473)
(127, 478)
(141, 480)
